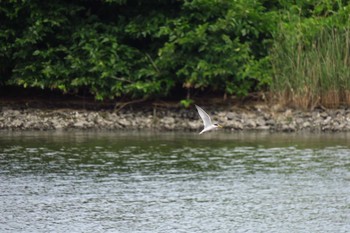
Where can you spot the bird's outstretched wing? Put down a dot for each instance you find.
(205, 117)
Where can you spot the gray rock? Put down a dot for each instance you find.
(327, 120)
(13, 113)
(263, 127)
(17, 123)
(194, 125)
(220, 114)
(237, 125)
(306, 124)
(79, 124)
(167, 120)
(231, 116)
(124, 122)
(324, 115)
(271, 122)
(288, 128)
(250, 123)
(260, 121)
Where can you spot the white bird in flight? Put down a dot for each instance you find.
(208, 125)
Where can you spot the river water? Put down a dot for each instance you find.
(174, 182)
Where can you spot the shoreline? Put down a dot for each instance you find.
(259, 117)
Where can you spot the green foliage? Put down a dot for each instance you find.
(145, 49)
(186, 103)
(217, 44)
(135, 48)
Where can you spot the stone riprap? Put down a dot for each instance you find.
(169, 119)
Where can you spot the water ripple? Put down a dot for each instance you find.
(167, 186)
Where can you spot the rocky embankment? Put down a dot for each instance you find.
(256, 118)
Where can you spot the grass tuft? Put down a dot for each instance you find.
(311, 71)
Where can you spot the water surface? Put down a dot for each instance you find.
(174, 182)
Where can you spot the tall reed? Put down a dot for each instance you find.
(310, 71)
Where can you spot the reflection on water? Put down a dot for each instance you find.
(171, 182)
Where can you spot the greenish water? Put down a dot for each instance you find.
(173, 182)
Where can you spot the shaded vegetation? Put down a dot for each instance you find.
(148, 49)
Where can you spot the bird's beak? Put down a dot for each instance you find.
(220, 126)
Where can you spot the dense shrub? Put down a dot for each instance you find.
(135, 48)
(143, 49)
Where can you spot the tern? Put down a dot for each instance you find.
(208, 125)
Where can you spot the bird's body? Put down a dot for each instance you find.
(208, 125)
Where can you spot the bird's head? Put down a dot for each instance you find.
(217, 126)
